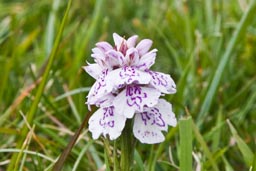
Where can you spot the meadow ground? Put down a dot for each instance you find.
(207, 46)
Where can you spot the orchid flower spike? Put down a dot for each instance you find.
(126, 88)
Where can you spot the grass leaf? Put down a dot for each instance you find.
(243, 147)
(186, 139)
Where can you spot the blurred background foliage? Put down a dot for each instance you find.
(191, 38)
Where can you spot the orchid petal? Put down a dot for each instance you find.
(165, 108)
(134, 98)
(143, 46)
(162, 82)
(98, 54)
(132, 41)
(149, 123)
(107, 122)
(104, 100)
(132, 57)
(104, 46)
(118, 40)
(115, 58)
(99, 89)
(127, 75)
(146, 133)
(147, 60)
(94, 70)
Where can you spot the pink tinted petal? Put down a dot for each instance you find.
(104, 46)
(144, 46)
(134, 98)
(127, 75)
(118, 40)
(107, 122)
(162, 82)
(115, 58)
(94, 70)
(99, 57)
(132, 41)
(98, 53)
(132, 57)
(145, 132)
(147, 60)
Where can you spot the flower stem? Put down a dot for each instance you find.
(127, 147)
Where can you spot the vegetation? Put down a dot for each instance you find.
(207, 46)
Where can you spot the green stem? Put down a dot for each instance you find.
(127, 147)
(116, 162)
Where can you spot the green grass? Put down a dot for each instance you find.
(207, 46)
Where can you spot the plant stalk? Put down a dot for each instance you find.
(127, 147)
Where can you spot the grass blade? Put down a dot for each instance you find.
(185, 127)
(243, 147)
(49, 36)
(8, 150)
(83, 151)
(139, 163)
(203, 144)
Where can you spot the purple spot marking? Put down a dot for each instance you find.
(107, 120)
(111, 124)
(153, 117)
(128, 73)
(134, 96)
(142, 65)
(159, 79)
(100, 82)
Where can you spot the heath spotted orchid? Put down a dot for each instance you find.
(126, 88)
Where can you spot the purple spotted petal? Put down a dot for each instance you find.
(135, 98)
(99, 89)
(146, 133)
(104, 100)
(127, 75)
(107, 122)
(143, 46)
(147, 60)
(149, 123)
(162, 82)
